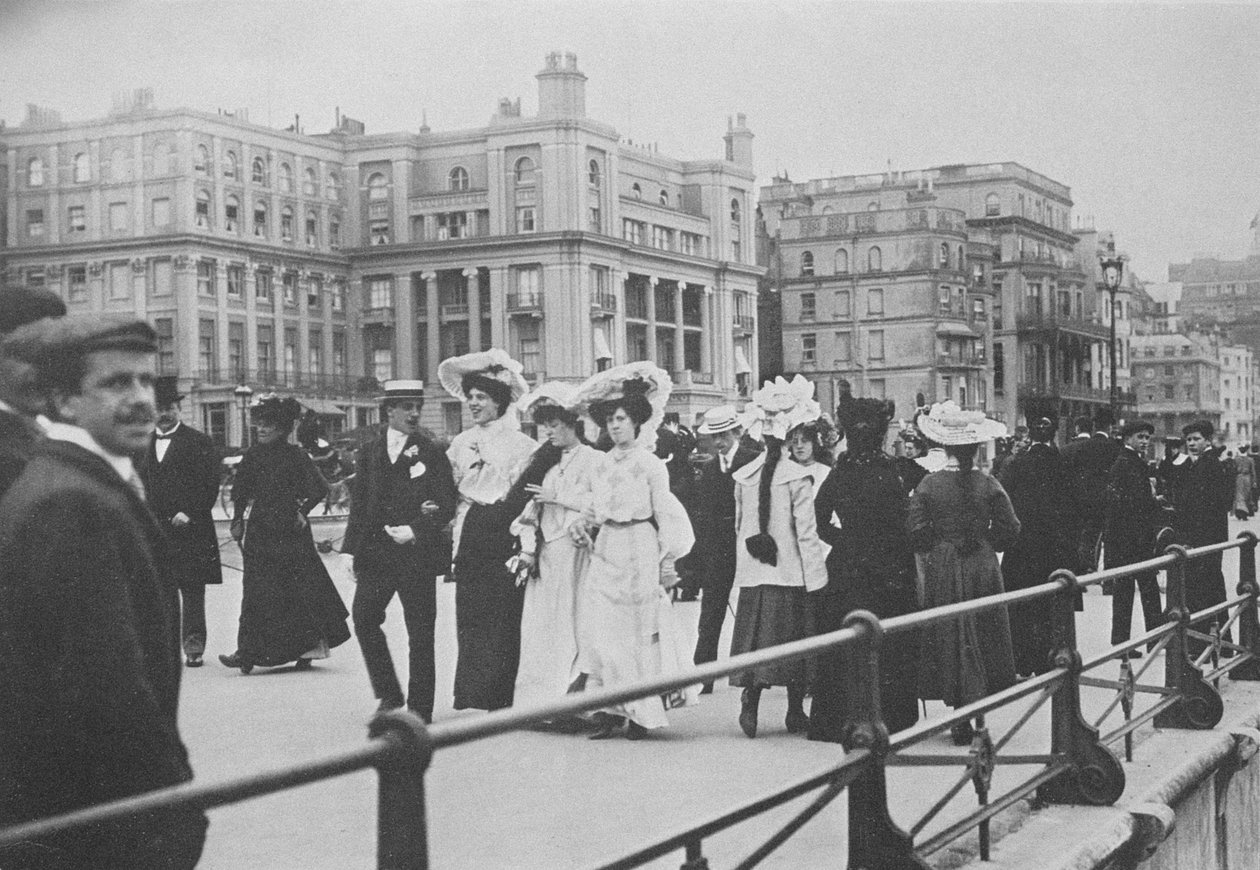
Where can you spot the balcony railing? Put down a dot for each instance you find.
(743, 323)
(604, 303)
(263, 380)
(960, 361)
(1051, 320)
(1075, 392)
(524, 303)
(458, 310)
(689, 378)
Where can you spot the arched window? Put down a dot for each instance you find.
(118, 165)
(259, 172)
(944, 256)
(458, 179)
(807, 263)
(201, 160)
(231, 214)
(286, 178)
(826, 209)
(636, 191)
(592, 173)
(874, 260)
(992, 205)
(286, 223)
(312, 228)
(525, 171)
(310, 182)
(378, 187)
(229, 164)
(962, 263)
(663, 198)
(842, 261)
(201, 217)
(334, 186)
(82, 169)
(736, 211)
(260, 219)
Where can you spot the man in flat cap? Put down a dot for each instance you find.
(89, 624)
(19, 402)
(401, 499)
(180, 470)
(1204, 495)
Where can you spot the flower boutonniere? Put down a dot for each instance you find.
(412, 452)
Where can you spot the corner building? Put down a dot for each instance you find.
(322, 265)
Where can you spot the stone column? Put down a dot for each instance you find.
(405, 325)
(679, 357)
(651, 317)
(473, 295)
(706, 329)
(498, 299)
(433, 313)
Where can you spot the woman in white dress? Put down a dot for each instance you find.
(550, 558)
(636, 529)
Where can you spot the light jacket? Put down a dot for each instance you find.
(802, 557)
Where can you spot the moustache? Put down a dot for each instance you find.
(136, 417)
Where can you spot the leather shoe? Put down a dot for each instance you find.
(388, 704)
(193, 660)
(748, 704)
(303, 664)
(961, 733)
(235, 660)
(797, 721)
(635, 731)
(608, 725)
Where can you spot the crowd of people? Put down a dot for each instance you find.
(569, 553)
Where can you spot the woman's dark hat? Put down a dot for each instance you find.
(273, 409)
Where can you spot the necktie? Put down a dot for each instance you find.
(164, 436)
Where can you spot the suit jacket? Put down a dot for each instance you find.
(90, 661)
(186, 481)
(1088, 460)
(1043, 496)
(1205, 493)
(18, 437)
(365, 535)
(1133, 515)
(714, 517)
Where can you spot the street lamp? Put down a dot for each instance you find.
(1112, 270)
(243, 394)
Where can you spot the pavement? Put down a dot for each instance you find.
(544, 800)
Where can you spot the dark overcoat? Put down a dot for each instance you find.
(1043, 495)
(714, 517)
(1205, 493)
(369, 514)
(1134, 517)
(18, 437)
(90, 663)
(186, 481)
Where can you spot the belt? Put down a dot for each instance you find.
(619, 524)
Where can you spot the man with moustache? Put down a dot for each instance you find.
(402, 497)
(180, 471)
(88, 613)
(19, 402)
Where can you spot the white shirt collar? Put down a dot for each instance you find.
(172, 430)
(395, 441)
(83, 438)
(7, 408)
(729, 455)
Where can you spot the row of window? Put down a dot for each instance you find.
(875, 260)
(260, 174)
(266, 361)
(843, 346)
(232, 220)
(264, 286)
(664, 238)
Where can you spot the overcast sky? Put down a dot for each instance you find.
(1149, 112)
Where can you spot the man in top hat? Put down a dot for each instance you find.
(180, 471)
(714, 520)
(402, 497)
(19, 402)
(88, 610)
(1133, 519)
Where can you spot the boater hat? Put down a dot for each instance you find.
(401, 389)
(492, 371)
(723, 418)
(951, 426)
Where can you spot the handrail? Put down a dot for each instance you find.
(400, 745)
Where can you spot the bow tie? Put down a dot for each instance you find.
(164, 437)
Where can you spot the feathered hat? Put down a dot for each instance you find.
(491, 371)
(643, 379)
(950, 426)
(780, 406)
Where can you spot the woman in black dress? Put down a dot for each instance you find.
(861, 512)
(290, 610)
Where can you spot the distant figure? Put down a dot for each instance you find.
(1204, 496)
(20, 402)
(1089, 456)
(1244, 483)
(89, 613)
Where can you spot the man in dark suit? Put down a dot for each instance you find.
(19, 402)
(1133, 519)
(90, 668)
(402, 497)
(180, 471)
(1089, 457)
(1205, 493)
(715, 524)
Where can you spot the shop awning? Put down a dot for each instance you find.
(741, 361)
(323, 407)
(602, 350)
(959, 329)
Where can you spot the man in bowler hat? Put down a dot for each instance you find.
(180, 471)
(401, 499)
(88, 611)
(19, 401)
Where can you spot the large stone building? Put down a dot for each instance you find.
(1216, 290)
(1237, 389)
(959, 282)
(322, 264)
(1178, 380)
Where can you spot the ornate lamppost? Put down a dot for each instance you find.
(243, 394)
(1112, 271)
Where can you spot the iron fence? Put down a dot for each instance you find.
(1079, 767)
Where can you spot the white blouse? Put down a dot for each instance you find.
(486, 460)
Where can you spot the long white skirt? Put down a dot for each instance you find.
(549, 641)
(626, 631)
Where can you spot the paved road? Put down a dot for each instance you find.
(532, 799)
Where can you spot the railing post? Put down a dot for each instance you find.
(875, 840)
(1200, 705)
(1097, 778)
(1249, 619)
(401, 835)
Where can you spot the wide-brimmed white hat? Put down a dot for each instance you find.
(560, 393)
(655, 386)
(493, 364)
(723, 418)
(950, 426)
(780, 406)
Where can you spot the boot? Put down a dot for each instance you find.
(962, 732)
(608, 726)
(797, 721)
(749, 702)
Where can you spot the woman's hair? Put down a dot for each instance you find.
(542, 461)
(499, 392)
(813, 433)
(633, 401)
(762, 546)
(975, 521)
(548, 413)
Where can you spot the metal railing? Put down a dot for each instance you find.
(1079, 768)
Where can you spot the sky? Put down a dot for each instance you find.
(1149, 112)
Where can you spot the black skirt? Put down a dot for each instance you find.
(767, 616)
